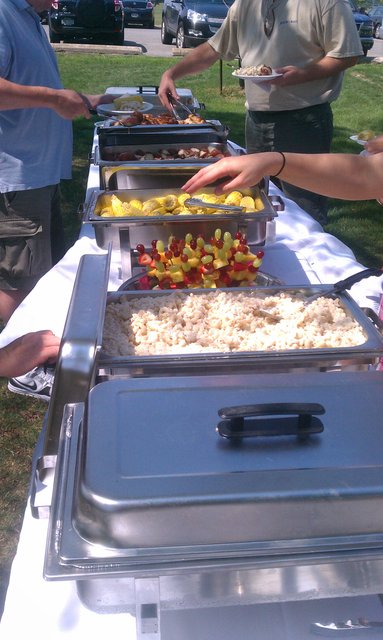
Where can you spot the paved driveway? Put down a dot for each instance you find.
(147, 41)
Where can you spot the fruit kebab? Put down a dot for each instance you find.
(193, 262)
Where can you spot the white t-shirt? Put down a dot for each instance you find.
(304, 31)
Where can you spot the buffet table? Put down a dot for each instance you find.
(297, 251)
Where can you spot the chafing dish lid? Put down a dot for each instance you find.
(155, 482)
(157, 437)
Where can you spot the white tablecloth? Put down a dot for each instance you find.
(300, 253)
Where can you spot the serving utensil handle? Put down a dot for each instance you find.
(356, 277)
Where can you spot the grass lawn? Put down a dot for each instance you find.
(358, 224)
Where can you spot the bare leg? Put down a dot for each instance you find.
(9, 301)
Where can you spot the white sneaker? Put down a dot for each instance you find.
(36, 383)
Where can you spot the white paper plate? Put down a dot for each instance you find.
(257, 79)
(109, 109)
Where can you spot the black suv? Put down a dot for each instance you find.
(90, 19)
(192, 22)
(139, 12)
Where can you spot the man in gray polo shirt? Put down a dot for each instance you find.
(311, 43)
(35, 150)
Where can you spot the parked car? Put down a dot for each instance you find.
(376, 15)
(139, 12)
(365, 27)
(89, 19)
(192, 22)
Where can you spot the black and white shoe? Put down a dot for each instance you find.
(36, 383)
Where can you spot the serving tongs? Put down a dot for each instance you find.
(348, 628)
(345, 284)
(230, 208)
(176, 103)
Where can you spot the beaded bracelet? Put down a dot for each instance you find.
(283, 164)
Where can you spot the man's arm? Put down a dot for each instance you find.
(201, 58)
(67, 103)
(324, 68)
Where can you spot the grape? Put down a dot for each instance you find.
(140, 248)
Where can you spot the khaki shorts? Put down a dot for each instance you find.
(28, 220)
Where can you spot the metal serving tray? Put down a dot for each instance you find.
(114, 152)
(135, 282)
(147, 486)
(111, 145)
(283, 361)
(209, 126)
(124, 233)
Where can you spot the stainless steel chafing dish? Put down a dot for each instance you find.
(215, 362)
(116, 152)
(124, 233)
(224, 485)
(123, 148)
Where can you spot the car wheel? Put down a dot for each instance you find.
(166, 37)
(53, 37)
(180, 37)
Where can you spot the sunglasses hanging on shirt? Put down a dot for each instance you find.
(269, 19)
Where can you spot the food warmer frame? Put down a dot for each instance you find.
(324, 467)
(124, 233)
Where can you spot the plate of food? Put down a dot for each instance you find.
(363, 136)
(123, 105)
(258, 73)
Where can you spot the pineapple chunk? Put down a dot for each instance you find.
(118, 208)
(234, 198)
(248, 203)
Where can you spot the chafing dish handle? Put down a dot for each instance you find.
(235, 423)
(277, 203)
